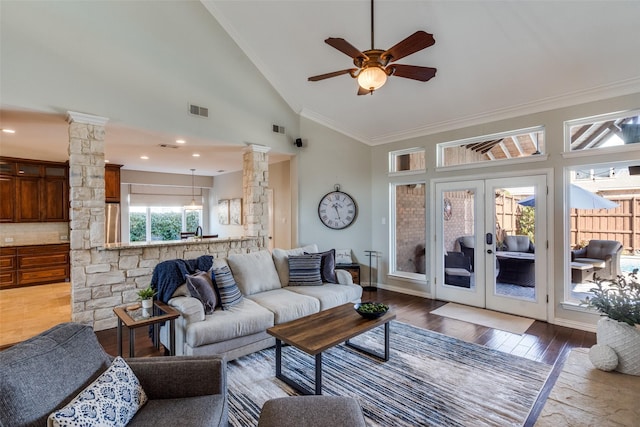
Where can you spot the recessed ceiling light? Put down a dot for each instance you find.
(144, 157)
(180, 141)
(106, 160)
(195, 155)
(220, 170)
(8, 131)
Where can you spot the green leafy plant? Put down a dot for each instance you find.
(617, 299)
(146, 293)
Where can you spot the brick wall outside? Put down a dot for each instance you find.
(410, 227)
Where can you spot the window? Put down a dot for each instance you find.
(161, 223)
(408, 230)
(604, 131)
(490, 148)
(409, 160)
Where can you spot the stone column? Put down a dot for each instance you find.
(86, 196)
(255, 180)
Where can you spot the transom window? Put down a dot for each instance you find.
(604, 131)
(490, 148)
(409, 160)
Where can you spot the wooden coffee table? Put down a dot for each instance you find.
(318, 332)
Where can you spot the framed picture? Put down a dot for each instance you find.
(235, 212)
(223, 212)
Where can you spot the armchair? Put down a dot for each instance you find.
(519, 244)
(604, 255)
(457, 269)
(467, 246)
(44, 373)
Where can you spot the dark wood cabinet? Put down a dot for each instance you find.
(33, 191)
(112, 183)
(34, 265)
(28, 191)
(7, 198)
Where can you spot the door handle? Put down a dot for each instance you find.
(489, 251)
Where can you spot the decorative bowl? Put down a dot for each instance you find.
(371, 310)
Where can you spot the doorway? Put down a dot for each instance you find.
(491, 244)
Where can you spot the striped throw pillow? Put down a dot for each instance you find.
(227, 289)
(304, 270)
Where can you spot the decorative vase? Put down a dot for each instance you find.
(147, 306)
(624, 340)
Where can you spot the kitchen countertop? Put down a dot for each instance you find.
(164, 243)
(23, 244)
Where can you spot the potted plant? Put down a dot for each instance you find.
(146, 295)
(618, 334)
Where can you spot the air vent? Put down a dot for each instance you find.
(168, 146)
(278, 129)
(198, 111)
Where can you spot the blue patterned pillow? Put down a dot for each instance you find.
(226, 285)
(111, 400)
(305, 270)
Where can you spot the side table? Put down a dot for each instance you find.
(134, 319)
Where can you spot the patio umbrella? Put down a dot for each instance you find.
(579, 198)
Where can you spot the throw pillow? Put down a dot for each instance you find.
(280, 259)
(201, 287)
(226, 285)
(328, 266)
(111, 400)
(305, 270)
(343, 256)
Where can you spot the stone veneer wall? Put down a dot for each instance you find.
(255, 180)
(102, 279)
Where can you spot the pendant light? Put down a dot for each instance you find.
(193, 206)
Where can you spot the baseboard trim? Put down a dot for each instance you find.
(406, 291)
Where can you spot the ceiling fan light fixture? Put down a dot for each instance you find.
(372, 78)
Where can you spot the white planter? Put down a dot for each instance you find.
(147, 307)
(624, 340)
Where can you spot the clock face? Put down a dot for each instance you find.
(337, 210)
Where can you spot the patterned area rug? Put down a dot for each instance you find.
(430, 380)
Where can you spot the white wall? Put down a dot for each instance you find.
(225, 187)
(328, 158)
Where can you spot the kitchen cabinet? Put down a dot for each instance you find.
(33, 191)
(34, 265)
(112, 183)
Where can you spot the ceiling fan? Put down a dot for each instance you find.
(373, 64)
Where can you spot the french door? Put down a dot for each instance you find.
(491, 244)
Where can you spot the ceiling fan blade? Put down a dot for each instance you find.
(412, 44)
(345, 47)
(333, 74)
(413, 72)
(362, 91)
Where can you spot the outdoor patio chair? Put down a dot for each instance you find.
(467, 246)
(457, 269)
(603, 254)
(519, 244)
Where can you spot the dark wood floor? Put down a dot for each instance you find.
(542, 342)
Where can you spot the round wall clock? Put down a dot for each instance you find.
(337, 209)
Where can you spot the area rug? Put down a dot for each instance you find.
(585, 396)
(430, 380)
(488, 318)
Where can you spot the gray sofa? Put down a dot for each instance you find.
(44, 373)
(263, 280)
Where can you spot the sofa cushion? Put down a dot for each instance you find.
(599, 249)
(111, 400)
(328, 266)
(305, 270)
(286, 305)
(330, 295)
(66, 358)
(226, 287)
(281, 260)
(200, 286)
(254, 272)
(244, 318)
